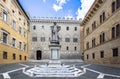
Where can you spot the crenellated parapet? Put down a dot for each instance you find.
(55, 19)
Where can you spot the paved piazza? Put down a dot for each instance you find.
(90, 71)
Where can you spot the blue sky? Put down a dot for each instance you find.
(57, 8)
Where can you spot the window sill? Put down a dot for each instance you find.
(102, 43)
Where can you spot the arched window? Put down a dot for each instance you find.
(67, 28)
(75, 28)
(116, 31)
(113, 32)
(93, 42)
(34, 27)
(102, 37)
(67, 48)
(102, 17)
(113, 7)
(75, 48)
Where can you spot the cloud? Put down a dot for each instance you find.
(56, 7)
(61, 2)
(60, 5)
(85, 6)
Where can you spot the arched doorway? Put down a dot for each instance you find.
(38, 54)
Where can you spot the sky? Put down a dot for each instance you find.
(57, 8)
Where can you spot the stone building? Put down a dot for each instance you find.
(14, 32)
(41, 33)
(101, 32)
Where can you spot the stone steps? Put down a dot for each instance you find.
(63, 71)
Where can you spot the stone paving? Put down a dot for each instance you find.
(93, 71)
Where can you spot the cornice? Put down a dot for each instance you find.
(94, 8)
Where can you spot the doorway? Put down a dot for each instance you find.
(38, 54)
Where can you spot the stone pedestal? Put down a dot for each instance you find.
(55, 54)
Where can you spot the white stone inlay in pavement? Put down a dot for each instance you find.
(6, 76)
(100, 76)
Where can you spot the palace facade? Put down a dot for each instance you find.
(41, 33)
(14, 32)
(100, 33)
